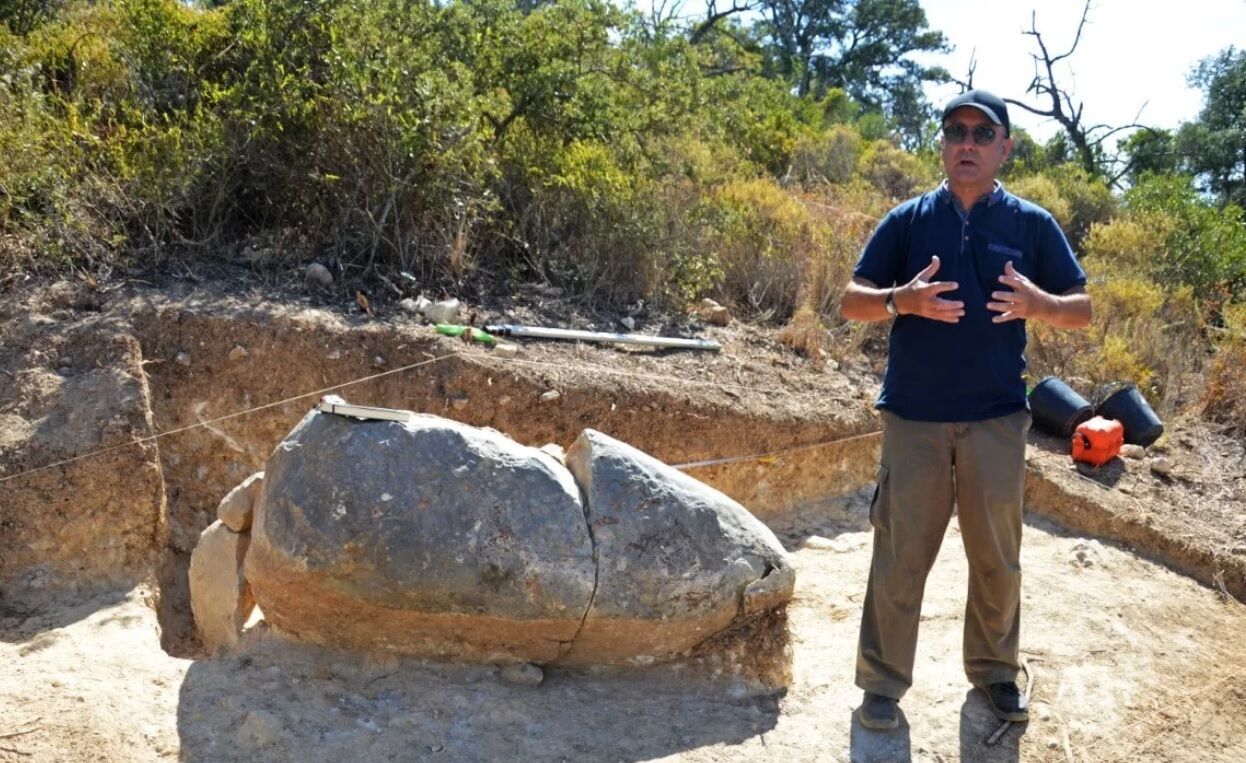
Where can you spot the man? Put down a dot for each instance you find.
(960, 270)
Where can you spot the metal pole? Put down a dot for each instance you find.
(602, 336)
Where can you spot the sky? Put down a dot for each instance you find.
(1133, 55)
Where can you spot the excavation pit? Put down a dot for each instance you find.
(1125, 621)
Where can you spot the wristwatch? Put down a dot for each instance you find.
(890, 304)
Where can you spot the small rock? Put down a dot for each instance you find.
(1239, 549)
(318, 276)
(260, 729)
(1126, 490)
(459, 403)
(506, 349)
(713, 313)
(334, 355)
(525, 674)
(819, 543)
(238, 353)
(504, 401)
(1042, 711)
(628, 322)
(1087, 553)
(408, 305)
(182, 359)
(235, 509)
(1133, 451)
(379, 361)
(446, 311)
(65, 360)
(1052, 743)
(1162, 465)
(555, 450)
(550, 396)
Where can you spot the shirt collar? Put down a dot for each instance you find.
(945, 194)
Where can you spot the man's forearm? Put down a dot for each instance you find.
(1066, 311)
(864, 303)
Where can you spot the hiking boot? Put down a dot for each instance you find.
(878, 712)
(1007, 701)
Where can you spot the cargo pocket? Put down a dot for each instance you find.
(880, 504)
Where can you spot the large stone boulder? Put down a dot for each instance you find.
(433, 538)
(678, 561)
(428, 537)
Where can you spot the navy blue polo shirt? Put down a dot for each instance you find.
(970, 370)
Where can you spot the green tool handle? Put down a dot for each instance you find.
(482, 337)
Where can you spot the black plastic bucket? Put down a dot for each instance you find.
(1126, 405)
(1057, 408)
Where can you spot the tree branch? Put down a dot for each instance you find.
(1076, 38)
(967, 83)
(713, 16)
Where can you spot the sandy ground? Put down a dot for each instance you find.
(1132, 662)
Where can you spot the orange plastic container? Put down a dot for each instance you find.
(1098, 440)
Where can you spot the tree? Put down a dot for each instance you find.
(860, 46)
(1028, 155)
(1214, 146)
(1150, 151)
(22, 16)
(1087, 142)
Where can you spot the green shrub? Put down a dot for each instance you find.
(1075, 199)
(894, 172)
(22, 16)
(1205, 245)
(1044, 192)
(761, 235)
(1140, 333)
(1135, 242)
(830, 157)
(597, 223)
(1223, 398)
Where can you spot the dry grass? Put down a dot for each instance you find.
(806, 335)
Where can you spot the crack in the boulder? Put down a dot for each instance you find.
(596, 576)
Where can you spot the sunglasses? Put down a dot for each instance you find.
(983, 135)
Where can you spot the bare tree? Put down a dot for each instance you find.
(966, 84)
(1088, 140)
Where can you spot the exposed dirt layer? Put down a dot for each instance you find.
(1146, 666)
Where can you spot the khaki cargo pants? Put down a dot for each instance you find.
(926, 468)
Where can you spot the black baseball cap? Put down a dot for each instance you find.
(988, 103)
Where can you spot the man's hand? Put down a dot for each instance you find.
(1025, 300)
(921, 297)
